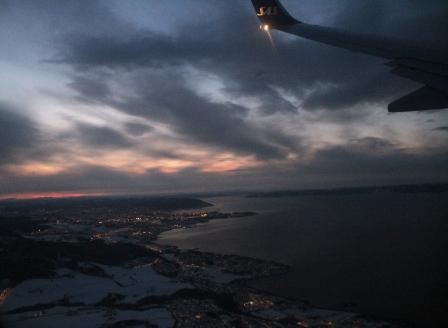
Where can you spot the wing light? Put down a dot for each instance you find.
(265, 27)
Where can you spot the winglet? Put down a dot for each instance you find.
(273, 14)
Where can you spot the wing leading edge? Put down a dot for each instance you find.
(426, 66)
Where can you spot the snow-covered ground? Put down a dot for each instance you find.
(132, 283)
(85, 317)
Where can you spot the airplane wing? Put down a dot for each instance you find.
(426, 66)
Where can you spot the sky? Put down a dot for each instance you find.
(155, 96)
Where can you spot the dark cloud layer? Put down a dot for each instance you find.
(234, 50)
(100, 137)
(248, 63)
(202, 121)
(90, 88)
(17, 134)
(243, 59)
(137, 129)
(163, 96)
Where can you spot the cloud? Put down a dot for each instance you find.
(242, 57)
(319, 77)
(442, 129)
(382, 163)
(138, 129)
(17, 134)
(208, 91)
(335, 166)
(220, 125)
(164, 96)
(100, 136)
(90, 88)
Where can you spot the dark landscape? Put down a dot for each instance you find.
(96, 260)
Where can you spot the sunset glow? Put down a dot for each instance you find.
(30, 196)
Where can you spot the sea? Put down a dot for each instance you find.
(382, 254)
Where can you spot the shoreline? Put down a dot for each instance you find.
(86, 265)
(247, 281)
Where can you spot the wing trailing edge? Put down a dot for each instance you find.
(422, 99)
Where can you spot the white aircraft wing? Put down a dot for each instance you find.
(423, 65)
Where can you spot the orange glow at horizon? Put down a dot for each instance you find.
(56, 195)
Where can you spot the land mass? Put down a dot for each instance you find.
(96, 263)
(420, 188)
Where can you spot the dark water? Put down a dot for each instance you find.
(382, 254)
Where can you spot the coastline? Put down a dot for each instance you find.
(346, 251)
(87, 268)
(306, 305)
